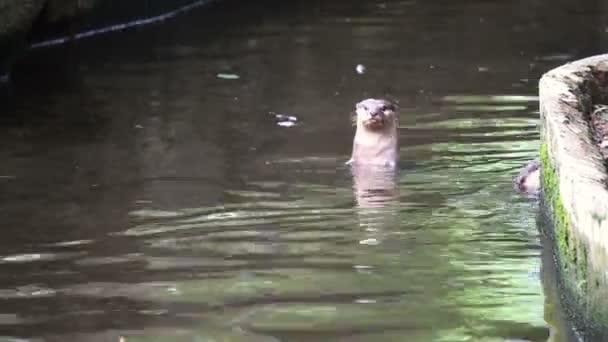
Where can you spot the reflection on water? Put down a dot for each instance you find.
(144, 197)
(377, 198)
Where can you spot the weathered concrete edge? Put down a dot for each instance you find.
(575, 192)
(580, 188)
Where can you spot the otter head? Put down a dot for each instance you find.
(376, 115)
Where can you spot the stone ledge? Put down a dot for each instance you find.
(574, 177)
(566, 100)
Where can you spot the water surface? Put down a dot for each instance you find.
(144, 197)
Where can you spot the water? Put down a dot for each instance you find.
(149, 193)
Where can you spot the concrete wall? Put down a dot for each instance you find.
(575, 189)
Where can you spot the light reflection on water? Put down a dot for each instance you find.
(147, 198)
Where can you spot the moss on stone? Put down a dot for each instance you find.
(566, 240)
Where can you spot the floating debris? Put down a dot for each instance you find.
(285, 120)
(370, 242)
(224, 76)
(363, 267)
(360, 69)
(365, 301)
(286, 123)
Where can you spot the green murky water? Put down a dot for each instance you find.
(148, 194)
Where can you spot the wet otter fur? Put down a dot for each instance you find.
(376, 139)
(528, 180)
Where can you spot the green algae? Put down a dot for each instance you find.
(572, 252)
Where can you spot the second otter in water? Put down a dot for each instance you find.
(376, 138)
(528, 180)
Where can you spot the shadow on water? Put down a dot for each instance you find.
(377, 200)
(143, 196)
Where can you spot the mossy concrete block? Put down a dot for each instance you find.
(575, 186)
(566, 100)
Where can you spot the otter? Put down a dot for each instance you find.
(374, 168)
(375, 153)
(528, 180)
(376, 137)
